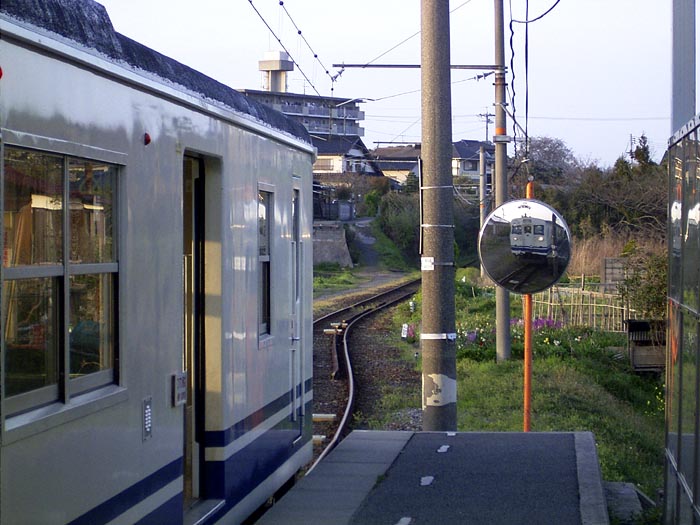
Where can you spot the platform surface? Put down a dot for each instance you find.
(414, 478)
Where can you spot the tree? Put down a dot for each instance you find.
(642, 153)
(549, 161)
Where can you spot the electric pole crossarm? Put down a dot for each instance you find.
(487, 67)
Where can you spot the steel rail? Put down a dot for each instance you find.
(347, 413)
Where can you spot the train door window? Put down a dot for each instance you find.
(296, 239)
(264, 219)
(59, 276)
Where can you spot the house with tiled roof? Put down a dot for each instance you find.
(398, 162)
(466, 160)
(342, 155)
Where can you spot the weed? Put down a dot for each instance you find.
(578, 384)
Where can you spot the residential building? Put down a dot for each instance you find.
(466, 159)
(341, 155)
(320, 115)
(400, 162)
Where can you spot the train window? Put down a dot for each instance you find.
(59, 277)
(264, 215)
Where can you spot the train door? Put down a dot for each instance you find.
(297, 358)
(193, 330)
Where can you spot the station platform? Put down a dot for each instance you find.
(429, 478)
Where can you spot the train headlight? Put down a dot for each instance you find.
(540, 239)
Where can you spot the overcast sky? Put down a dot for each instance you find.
(599, 70)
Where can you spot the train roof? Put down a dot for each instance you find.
(87, 24)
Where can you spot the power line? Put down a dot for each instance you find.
(283, 47)
(410, 37)
(603, 119)
(527, 21)
(299, 32)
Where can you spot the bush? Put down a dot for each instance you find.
(645, 285)
(399, 220)
(372, 201)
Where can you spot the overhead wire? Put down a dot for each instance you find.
(410, 37)
(334, 78)
(527, 19)
(279, 40)
(303, 37)
(527, 23)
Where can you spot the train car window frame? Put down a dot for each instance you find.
(265, 224)
(74, 269)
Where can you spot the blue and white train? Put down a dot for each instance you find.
(537, 238)
(530, 236)
(156, 282)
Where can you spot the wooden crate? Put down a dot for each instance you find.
(646, 343)
(648, 358)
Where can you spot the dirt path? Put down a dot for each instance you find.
(371, 276)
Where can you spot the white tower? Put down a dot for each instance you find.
(275, 65)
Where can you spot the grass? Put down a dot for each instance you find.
(580, 383)
(629, 436)
(390, 256)
(331, 277)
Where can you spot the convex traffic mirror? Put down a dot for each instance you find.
(525, 246)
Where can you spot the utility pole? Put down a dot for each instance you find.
(487, 117)
(483, 212)
(438, 334)
(683, 63)
(500, 179)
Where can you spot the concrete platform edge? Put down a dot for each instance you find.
(594, 508)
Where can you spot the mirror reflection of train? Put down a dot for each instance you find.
(525, 246)
(534, 238)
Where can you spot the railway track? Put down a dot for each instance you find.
(334, 385)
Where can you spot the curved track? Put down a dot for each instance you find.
(334, 386)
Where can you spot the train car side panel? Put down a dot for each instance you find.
(125, 449)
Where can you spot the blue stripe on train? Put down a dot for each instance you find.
(234, 478)
(113, 507)
(278, 443)
(530, 249)
(222, 438)
(169, 513)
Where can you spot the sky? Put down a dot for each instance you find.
(598, 71)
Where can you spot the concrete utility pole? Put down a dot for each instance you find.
(683, 64)
(500, 179)
(483, 212)
(438, 335)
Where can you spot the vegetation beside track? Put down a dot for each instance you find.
(581, 382)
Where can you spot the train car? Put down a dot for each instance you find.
(156, 282)
(530, 236)
(538, 238)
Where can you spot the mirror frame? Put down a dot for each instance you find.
(525, 246)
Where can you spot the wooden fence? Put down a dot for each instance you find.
(576, 306)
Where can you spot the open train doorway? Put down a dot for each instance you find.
(193, 329)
